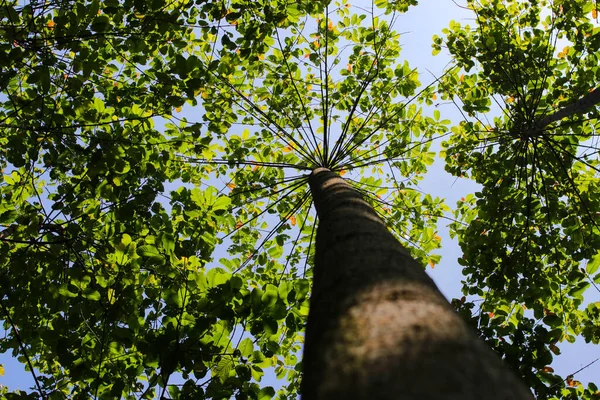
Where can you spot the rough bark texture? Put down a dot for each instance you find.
(378, 327)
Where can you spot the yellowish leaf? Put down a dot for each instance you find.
(150, 280)
(565, 50)
(572, 382)
(111, 295)
(287, 149)
(178, 109)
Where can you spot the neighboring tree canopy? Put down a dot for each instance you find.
(156, 225)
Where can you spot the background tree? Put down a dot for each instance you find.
(119, 202)
(530, 236)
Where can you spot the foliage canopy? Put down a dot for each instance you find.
(156, 224)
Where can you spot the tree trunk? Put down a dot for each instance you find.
(576, 107)
(378, 327)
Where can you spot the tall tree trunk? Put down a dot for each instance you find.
(378, 327)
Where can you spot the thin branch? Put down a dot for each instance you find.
(23, 350)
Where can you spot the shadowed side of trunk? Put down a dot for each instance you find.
(378, 327)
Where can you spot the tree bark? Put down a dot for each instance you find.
(378, 327)
(576, 107)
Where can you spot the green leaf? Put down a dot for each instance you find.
(246, 347)
(63, 290)
(151, 252)
(8, 217)
(579, 290)
(126, 239)
(101, 23)
(593, 264)
(91, 294)
(221, 203)
(302, 287)
(275, 251)
(270, 326)
(266, 393)
(553, 321)
(174, 391)
(270, 295)
(223, 368)
(217, 276)
(283, 290)
(257, 373)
